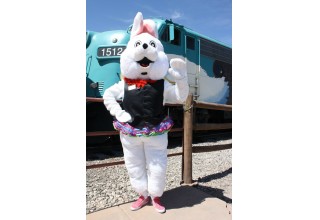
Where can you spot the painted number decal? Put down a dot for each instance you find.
(110, 51)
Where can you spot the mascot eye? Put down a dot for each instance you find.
(137, 43)
(152, 43)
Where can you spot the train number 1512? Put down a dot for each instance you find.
(110, 51)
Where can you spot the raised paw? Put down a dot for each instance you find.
(178, 68)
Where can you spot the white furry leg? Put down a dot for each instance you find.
(134, 158)
(156, 160)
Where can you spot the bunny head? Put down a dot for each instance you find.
(144, 57)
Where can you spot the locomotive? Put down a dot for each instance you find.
(209, 67)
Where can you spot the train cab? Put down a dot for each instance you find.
(103, 60)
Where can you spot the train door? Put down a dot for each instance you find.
(192, 59)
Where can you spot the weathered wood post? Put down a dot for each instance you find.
(187, 140)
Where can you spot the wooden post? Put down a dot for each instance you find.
(187, 140)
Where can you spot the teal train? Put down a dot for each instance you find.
(209, 65)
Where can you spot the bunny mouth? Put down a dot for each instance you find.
(144, 62)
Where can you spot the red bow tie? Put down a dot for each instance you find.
(140, 83)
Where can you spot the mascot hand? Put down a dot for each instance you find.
(123, 116)
(178, 69)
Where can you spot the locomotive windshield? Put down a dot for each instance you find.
(129, 29)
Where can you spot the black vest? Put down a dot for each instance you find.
(145, 105)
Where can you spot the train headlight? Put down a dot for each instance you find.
(114, 40)
(94, 85)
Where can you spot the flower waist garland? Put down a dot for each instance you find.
(127, 129)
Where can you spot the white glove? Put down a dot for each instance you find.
(109, 97)
(123, 116)
(178, 69)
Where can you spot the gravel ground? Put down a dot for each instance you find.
(110, 186)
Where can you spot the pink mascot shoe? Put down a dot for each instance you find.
(157, 205)
(142, 201)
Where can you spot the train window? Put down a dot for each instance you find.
(88, 41)
(190, 43)
(129, 29)
(165, 36)
(176, 40)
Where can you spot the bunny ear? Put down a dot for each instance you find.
(143, 26)
(149, 26)
(137, 24)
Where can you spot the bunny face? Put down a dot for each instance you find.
(144, 57)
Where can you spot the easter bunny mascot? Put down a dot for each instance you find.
(142, 123)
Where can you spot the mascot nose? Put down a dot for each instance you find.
(145, 46)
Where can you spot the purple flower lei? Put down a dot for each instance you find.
(127, 129)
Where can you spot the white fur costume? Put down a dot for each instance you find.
(146, 157)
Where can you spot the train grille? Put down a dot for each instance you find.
(215, 51)
(100, 87)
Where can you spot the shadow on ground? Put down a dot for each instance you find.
(188, 196)
(215, 192)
